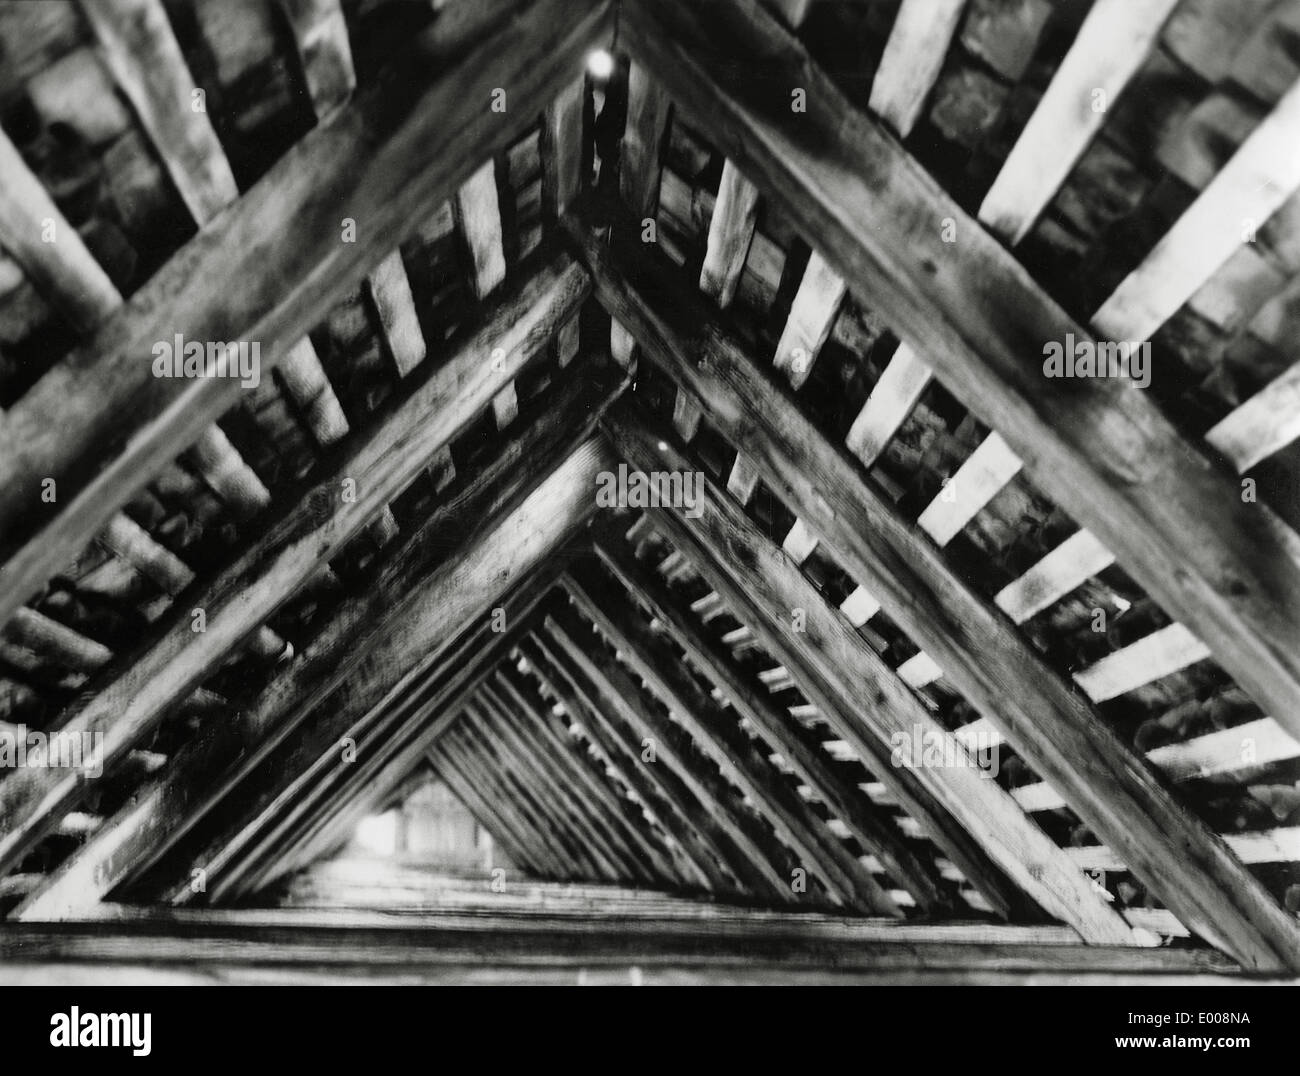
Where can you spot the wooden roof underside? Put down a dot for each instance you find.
(809, 249)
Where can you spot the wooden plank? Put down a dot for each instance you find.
(349, 648)
(137, 45)
(1264, 424)
(890, 401)
(236, 280)
(456, 942)
(981, 653)
(60, 267)
(820, 852)
(847, 803)
(1260, 177)
(647, 121)
(320, 33)
(730, 232)
(478, 216)
(1256, 743)
(563, 149)
(1228, 570)
(913, 58)
(390, 290)
(1151, 657)
(245, 593)
(812, 316)
(976, 482)
(1112, 44)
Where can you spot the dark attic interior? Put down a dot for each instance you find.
(649, 491)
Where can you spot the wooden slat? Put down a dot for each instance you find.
(101, 425)
(563, 148)
(914, 53)
(1078, 558)
(241, 597)
(890, 401)
(320, 33)
(976, 482)
(812, 315)
(1158, 654)
(1267, 422)
(138, 47)
(730, 232)
(1006, 680)
(1228, 570)
(1202, 756)
(1111, 45)
(1260, 177)
(63, 271)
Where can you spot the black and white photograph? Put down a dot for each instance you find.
(688, 493)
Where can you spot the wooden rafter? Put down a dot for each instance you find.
(1229, 570)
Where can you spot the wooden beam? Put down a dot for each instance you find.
(847, 803)
(1061, 736)
(627, 814)
(487, 813)
(391, 155)
(821, 853)
(243, 595)
(163, 812)
(598, 804)
(449, 946)
(490, 814)
(844, 661)
(461, 591)
(674, 815)
(579, 826)
(746, 843)
(1229, 571)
